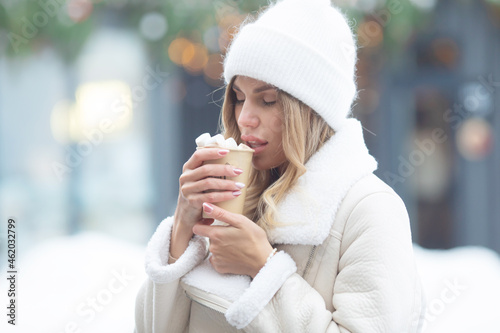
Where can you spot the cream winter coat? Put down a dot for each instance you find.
(345, 261)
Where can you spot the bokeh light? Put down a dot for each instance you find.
(197, 61)
(79, 10)
(424, 4)
(192, 56)
(476, 98)
(211, 39)
(370, 33)
(475, 139)
(445, 51)
(153, 26)
(179, 49)
(104, 100)
(99, 106)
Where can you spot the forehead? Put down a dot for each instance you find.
(244, 82)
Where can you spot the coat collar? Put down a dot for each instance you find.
(309, 209)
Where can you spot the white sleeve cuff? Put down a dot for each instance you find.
(157, 267)
(261, 290)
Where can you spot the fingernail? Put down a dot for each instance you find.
(238, 171)
(207, 208)
(239, 185)
(236, 193)
(223, 152)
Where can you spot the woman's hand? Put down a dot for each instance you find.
(196, 186)
(240, 248)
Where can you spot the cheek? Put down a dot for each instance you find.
(276, 125)
(237, 116)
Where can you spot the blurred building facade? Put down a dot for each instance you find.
(437, 119)
(429, 102)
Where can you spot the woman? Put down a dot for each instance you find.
(323, 245)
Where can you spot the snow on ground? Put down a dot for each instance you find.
(78, 284)
(462, 288)
(88, 283)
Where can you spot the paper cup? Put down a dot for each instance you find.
(238, 158)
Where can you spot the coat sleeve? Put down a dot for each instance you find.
(377, 288)
(161, 305)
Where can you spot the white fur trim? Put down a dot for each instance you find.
(261, 290)
(157, 266)
(228, 286)
(309, 209)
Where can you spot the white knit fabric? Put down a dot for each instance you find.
(303, 47)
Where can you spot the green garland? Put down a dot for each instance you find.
(28, 25)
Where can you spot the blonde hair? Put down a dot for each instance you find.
(309, 132)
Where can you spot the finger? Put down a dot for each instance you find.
(223, 215)
(209, 171)
(202, 230)
(215, 170)
(211, 184)
(197, 199)
(201, 155)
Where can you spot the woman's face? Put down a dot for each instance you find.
(260, 120)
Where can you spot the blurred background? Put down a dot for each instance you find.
(100, 103)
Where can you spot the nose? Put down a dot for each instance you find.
(247, 116)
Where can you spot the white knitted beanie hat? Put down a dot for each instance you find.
(303, 47)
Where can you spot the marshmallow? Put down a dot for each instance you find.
(205, 140)
(210, 142)
(201, 141)
(219, 140)
(231, 144)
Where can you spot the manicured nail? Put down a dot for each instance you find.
(207, 208)
(239, 185)
(223, 152)
(238, 171)
(236, 193)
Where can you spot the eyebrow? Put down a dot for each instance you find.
(256, 90)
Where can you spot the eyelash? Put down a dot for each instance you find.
(240, 101)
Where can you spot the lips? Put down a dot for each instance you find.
(254, 145)
(257, 144)
(252, 141)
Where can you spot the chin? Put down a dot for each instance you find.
(261, 165)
